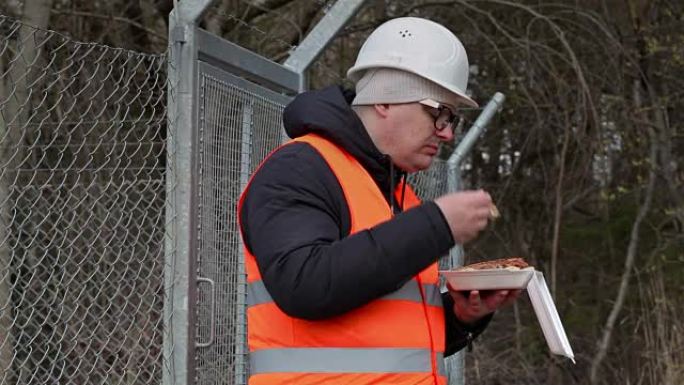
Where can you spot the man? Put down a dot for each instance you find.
(340, 254)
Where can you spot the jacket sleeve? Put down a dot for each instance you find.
(295, 222)
(458, 334)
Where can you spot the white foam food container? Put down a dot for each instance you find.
(538, 291)
(488, 279)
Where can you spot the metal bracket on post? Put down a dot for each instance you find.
(177, 35)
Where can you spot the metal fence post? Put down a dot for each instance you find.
(456, 364)
(245, 166)
(181, 194)
(326, 29)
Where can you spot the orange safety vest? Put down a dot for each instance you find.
(397, 338)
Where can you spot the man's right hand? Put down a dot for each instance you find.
(466, 212)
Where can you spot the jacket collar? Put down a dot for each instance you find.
(328, 113)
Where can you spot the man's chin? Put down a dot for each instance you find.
(428, 163)
(419, 167)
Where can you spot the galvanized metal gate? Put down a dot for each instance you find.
(239, 124)
(225, 116)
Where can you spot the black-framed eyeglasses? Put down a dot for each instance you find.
(443, 115)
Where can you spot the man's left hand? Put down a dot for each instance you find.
(471, 306)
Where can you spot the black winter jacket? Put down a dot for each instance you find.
(296, 223)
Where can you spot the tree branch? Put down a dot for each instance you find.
(113, 18)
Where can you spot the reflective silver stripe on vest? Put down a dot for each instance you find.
(343, 360)
(257, 294)
(409, 292)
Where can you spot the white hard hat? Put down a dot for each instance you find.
(419, 46)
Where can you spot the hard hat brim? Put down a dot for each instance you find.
(355, 73)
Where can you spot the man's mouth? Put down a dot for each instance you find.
(432, 149)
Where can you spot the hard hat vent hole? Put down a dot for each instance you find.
(405, 33)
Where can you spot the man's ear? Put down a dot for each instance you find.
(382, 109)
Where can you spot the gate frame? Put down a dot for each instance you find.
(189, 47)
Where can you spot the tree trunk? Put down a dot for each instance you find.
(667, 163)
(604, 342)
(558, 211)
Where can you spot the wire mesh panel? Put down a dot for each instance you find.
(81, 210)
(430, 184)
(239, 124)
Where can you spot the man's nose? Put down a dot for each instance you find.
(446, 134)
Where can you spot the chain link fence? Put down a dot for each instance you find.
(430, 184)
(82, 166)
